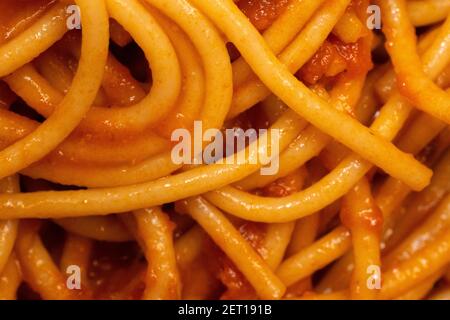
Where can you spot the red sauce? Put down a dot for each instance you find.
(17, 15)
(238, 288)
(262, 13)
(282, 187)
(237, 284)
(234, 282)
(116, 271)
(371, 219)
(364, 214)
(354, 58)
(254, 233)
(335, 56)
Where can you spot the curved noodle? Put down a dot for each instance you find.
(224, 149)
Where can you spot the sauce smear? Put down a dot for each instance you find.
(262, 13)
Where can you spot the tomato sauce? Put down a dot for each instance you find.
(282, 187)
(235, 284)
(238, 288)
(334, 57)
(262, 13)
(117, 271)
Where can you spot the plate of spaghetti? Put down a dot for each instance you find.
(136, 138)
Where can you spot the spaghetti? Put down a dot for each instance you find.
(93, 206)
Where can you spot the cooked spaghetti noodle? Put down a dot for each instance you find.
(93, 205)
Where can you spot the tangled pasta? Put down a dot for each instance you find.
(93, 205)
